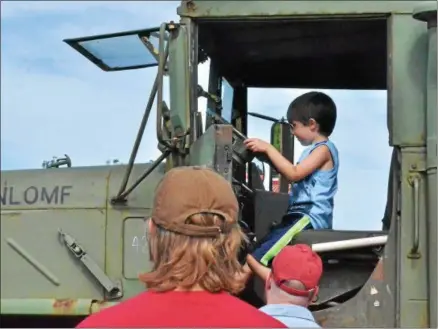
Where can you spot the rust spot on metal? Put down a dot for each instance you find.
(378, 273)
(64, 306)
(98, 305)
(344, 322)
(321, 320)
(10, 214)
(190, 5)
(424, 317)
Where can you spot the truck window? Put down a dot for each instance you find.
(119, 51)
(227, 100)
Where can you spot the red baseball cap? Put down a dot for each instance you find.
(300, 263)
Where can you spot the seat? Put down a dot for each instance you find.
(344, 270)
(270, 207)
(319, 236)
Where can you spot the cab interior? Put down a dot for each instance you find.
(348, 53)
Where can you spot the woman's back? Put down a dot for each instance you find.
(181, 309)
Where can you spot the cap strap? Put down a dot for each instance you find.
(283, 285)
(178, 226)
(295, 292)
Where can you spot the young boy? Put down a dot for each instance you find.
(312, 117)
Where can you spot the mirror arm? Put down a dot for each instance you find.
(122, 197)
(156, 89)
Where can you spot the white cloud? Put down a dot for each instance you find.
(54, 101)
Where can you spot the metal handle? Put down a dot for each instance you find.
(414, 253)
(163, 51)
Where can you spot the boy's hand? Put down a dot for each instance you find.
(257, 145)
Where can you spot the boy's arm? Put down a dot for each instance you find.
(314, 161)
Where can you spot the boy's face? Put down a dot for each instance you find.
(305, 134)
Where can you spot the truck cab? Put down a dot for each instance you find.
(372, 45)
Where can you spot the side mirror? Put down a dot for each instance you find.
(257, 174)
(283, 141)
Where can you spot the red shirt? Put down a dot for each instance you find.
(181, 309)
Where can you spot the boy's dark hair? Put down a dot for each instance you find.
(317, 106)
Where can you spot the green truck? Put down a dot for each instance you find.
(72, 238)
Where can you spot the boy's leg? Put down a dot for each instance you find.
(276, 240)
(252, 265)
(256, 268)
(245, 274)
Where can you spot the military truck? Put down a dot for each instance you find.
(72, 238)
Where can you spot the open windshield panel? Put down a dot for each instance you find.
(120, 51)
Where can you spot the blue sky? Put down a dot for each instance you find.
(54, 102)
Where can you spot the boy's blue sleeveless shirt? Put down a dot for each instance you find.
(314, 195)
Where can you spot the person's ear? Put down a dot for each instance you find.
(314, 297)
(312, 124)
(150, 226)
(151, 230)
(268, 284)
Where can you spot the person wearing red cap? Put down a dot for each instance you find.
(193, 240)
(292, 285)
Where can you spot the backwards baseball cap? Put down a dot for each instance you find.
(187, 191)
(298, 263)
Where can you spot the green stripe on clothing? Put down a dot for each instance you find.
(285, 239)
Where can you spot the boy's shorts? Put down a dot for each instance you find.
(280, 237)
